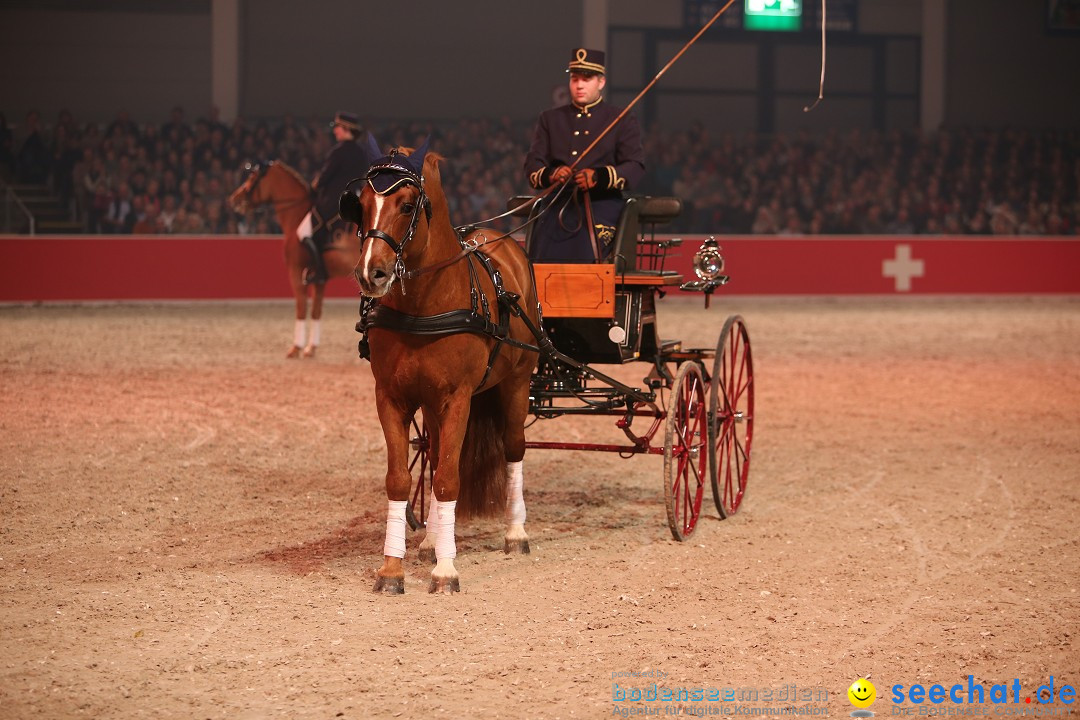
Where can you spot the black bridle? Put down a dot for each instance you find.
(401, 174)
(259, 171)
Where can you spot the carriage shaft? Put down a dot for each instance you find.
(595, 447)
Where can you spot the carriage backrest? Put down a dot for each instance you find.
(651, 253)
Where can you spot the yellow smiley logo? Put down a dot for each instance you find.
(862, 693)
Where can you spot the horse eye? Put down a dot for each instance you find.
(407, 208)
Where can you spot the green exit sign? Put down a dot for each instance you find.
(773, 15)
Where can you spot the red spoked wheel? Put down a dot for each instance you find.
(422, 468)
(685, 450)
(731, 408)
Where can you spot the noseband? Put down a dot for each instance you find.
(253, 171)
(396, 174)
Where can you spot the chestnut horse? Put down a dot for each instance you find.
(290, 194)
(447, 336)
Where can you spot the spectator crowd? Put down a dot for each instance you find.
(175, 177)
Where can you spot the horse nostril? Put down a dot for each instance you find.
(378, 274)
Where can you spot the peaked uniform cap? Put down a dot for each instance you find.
(586, 60)
(347, 120)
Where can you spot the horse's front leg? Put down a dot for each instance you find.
(390, 578)
(431, 526)
(316, 322)
(431, 531)
(446, 484)
(300, 295)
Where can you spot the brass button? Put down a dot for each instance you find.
(579, 114)
(573, 152)
(577, 133)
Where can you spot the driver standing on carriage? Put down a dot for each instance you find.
(345, 161)
(580, 226)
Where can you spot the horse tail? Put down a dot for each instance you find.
(482, 468)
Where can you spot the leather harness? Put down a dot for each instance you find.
(478, 319)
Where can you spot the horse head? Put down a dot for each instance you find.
(274, 182)
(392, 212)
(244, 196)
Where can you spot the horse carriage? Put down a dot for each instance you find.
(606, 314)
(467, 339)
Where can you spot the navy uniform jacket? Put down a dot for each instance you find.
(561, 135)
(346, 161)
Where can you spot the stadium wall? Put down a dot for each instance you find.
(130, 268)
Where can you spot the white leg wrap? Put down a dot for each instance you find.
(395, 529)
(515, 501)
(304, 229)
(299, 333)
(445, 547)
(316, 326)
(431, 528)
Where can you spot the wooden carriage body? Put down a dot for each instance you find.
(605, 313)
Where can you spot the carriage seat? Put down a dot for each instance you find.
(629, 239)
(636, 254)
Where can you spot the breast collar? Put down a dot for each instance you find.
(480, 319)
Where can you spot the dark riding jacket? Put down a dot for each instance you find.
(561, 135)
(346, 161)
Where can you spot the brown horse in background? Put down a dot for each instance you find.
(290, 194)
(471, 385)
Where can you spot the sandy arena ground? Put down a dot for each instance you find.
(191, 523)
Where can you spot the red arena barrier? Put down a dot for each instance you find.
(894, 264)
(171, 267)
(95, 267)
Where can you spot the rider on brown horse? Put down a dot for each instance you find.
(346, 161)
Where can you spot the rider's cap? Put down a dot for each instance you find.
(583, 60)
(347, 120)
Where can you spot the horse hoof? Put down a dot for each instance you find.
(448, 586)
(390, 585)
(517, 547)
(427, 555)
(294, 352)
(309, 351)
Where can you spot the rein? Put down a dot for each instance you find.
(259, 172)
(490, 318)
(470, 247)
(477, 319)
(467, 247)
